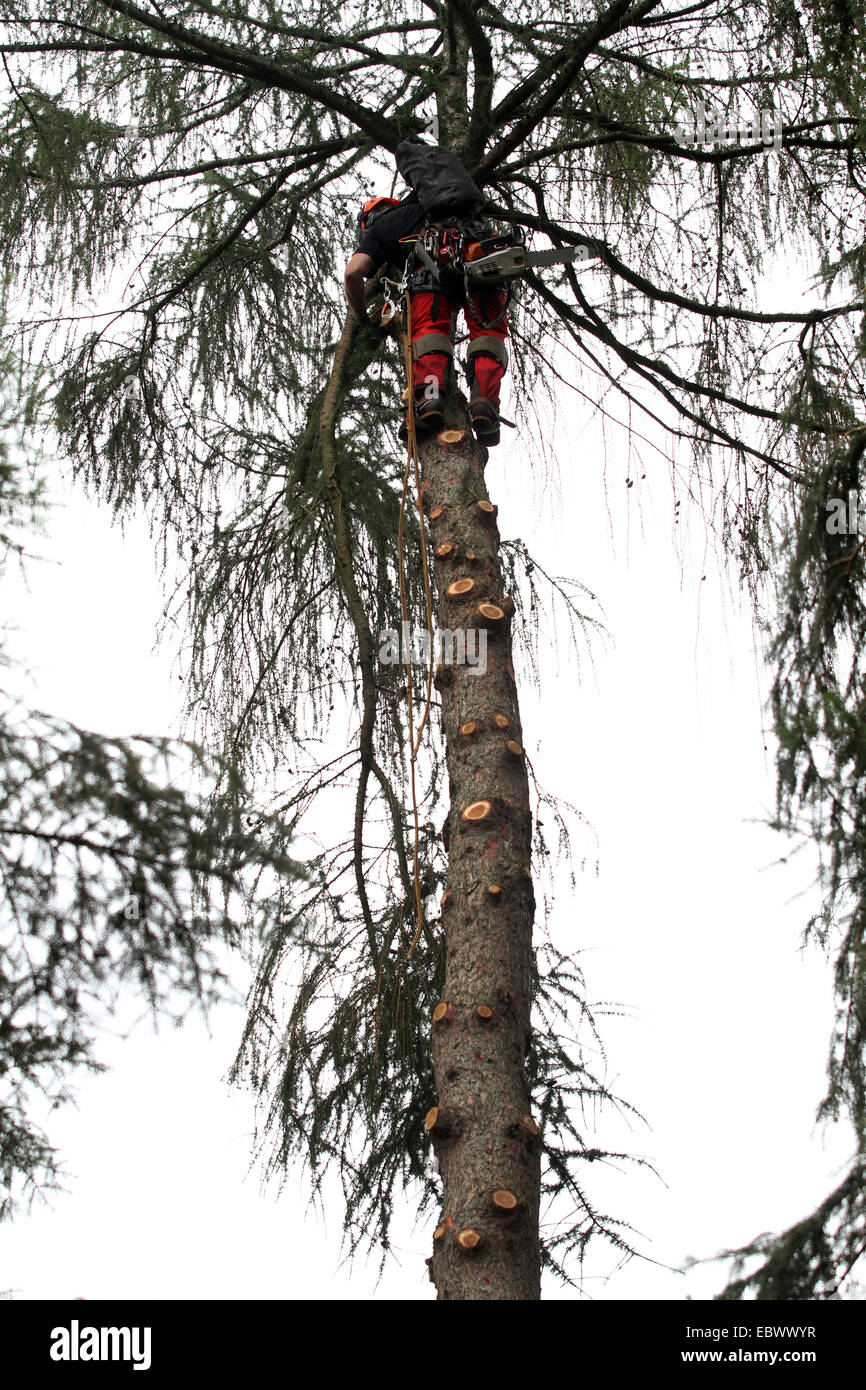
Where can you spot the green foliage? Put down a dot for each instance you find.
(112, 878)
(818, 700)
(811, 1260)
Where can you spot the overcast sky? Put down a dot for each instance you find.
(686, 926)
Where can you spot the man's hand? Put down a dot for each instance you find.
(357, 272)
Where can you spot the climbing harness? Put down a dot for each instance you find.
(440, 251)
(469, 250)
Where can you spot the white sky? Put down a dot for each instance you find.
(687, 925)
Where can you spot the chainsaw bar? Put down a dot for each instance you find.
(557, 257)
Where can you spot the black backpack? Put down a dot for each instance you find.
(438, 179)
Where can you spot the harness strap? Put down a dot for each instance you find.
(432, 342)
(423, 255)
(491, 346)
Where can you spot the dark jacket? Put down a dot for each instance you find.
(382, 242)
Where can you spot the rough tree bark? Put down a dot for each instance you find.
(486, 1142)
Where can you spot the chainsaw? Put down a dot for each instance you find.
(504, 257)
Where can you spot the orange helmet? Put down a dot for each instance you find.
(372, 210)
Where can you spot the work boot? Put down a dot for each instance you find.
(428, 413)
(428, 416)
(485, 421)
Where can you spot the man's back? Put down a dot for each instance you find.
(382, 242)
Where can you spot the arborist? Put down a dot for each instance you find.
(435, 246)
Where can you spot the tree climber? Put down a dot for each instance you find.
(426, 240)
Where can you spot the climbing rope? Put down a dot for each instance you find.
(412, 465)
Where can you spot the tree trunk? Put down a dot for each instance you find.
(487, 1144)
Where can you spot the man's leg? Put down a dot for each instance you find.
(487, 358)
(432, 351)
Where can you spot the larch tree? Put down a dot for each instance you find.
(178, 194)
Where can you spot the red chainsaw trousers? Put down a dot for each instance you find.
(482, 306)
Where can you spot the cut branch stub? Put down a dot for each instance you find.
(450, 436)
(500, 721)
(513, 747)
(478, 811)
(503, 1200)
(528, 1124)
(443, 675)
(484, 1012)
(437, 514)
(460, 588)
(494, 892)
(440, 1232)
(440, 1123)
(469, 1238)
(489, 614)
(443, 1010)
(469, 728)
(446, 551)
(445, 900)
(486, 512)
